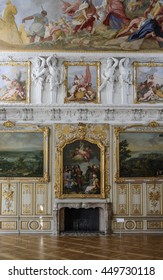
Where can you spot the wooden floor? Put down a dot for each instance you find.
(49, 247)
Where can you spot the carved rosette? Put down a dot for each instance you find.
(130, 225)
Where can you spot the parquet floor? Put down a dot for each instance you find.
(49, 247)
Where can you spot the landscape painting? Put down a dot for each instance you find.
(23, 154)
(81, 25)
(140, 154)
(82, 82)
(82, 169)
(14, 82)
(148, 81)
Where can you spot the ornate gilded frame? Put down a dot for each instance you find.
(136, 153)
(82, 93)
(148, 82)
(24, 142)
(73, 134)
(15, 82)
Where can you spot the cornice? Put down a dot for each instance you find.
(75, 114)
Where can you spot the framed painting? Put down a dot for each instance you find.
(148, 82)
(81, 163)
(139, 153)
(82, 82)
(24, 154)
(89, 25)
(14, 82)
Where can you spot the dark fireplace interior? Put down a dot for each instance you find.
(81, 220)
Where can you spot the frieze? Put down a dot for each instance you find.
(100, 114)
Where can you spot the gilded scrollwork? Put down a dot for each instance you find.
(153, 124)
(154, 196)
(117, 130)
(80, 142)
(136, 199)
(8, 195)
(66, 132)
(9, 124)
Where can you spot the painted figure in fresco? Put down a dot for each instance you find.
(70, 8)
(146, 26)
(85, 16)
(13, 90)
(134, 5)
(38, 27)
(150, 90)
(108, 77)
(150, 26)
(81, 88)
(150, 94)
(116, 16)
(159, 91)
(125, 79)
(74, 88)
(53, 77)
(56, 31)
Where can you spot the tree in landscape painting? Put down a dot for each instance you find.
(22, 154)
(125, 154)
(140, 155)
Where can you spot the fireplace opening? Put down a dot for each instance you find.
(81, 220)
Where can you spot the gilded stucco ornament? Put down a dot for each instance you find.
(8, 195)
(9, 124)
(79, 145)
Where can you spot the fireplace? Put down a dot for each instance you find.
(83, 217)
(81, 220)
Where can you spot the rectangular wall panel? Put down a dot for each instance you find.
(9, 199)
(27, 199)
(9, 225)
(136, 199)
(122, 199)
(154, 225)
(41, 199)
(154, 199)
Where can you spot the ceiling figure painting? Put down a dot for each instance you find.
(96, 25)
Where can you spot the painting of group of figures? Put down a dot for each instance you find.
(82, 82)
(148, 82)
(14, 82)
(82, 168)
(81, 25)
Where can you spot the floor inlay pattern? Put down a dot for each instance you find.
(112, 247)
